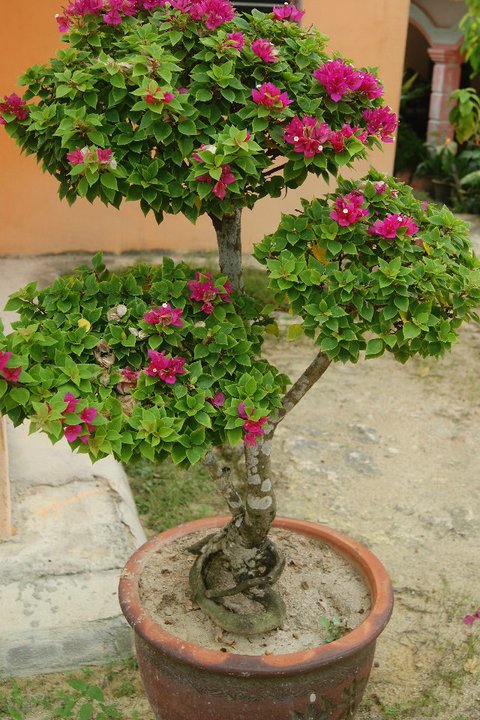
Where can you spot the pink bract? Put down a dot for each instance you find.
(265, 50)
(164, 367)
(104, 156)
(381, 121)
(15, 105)
(217, 400)
(288, 12)
(72, 432)
(307, 136)
(389, 227)
(213, 12)
(76, 157)
(164, 315)
(72, 403)
(348, 209)
(338, 78)
(271, 96)
(236, 40)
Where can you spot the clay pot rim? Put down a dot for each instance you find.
(261, 665)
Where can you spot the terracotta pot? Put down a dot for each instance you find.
(187, 682)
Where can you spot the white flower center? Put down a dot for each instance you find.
(165, 305)
(296, 138)
(345, 210)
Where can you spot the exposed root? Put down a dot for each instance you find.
(254, 587)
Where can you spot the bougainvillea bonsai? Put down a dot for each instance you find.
(188, 107)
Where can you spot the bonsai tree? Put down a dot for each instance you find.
(188, 107)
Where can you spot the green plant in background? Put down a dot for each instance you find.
(465, 115)
(186, 107)
(470, 26)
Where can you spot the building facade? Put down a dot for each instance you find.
(33, 220)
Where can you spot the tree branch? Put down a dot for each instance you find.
(274, 170)
(221, 475)
(304, 383)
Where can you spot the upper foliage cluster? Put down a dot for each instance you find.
(172, 100)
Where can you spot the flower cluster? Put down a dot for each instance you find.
(236, 40)
(164, 315)
(100, 156)
(309, 136)
(381, 121)
(217, 400)
(80, 431)
(158, 96)
(271, 96)
(389, 227)
(288, 12)
(220, 187)
(469, 619)
(213, 12)
(204, 291)
(9, 374)
(265, 50)
(339, 78)
(129, 380)
(14, 105)
(348, 209)
(164, 367)
(253, 428)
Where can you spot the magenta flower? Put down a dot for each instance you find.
(307, 136)
(337, 140)
(104, 156)
(213, 12)
(253, 428)
(72, 432)
(348, 209)
(14, 105)
(370, 86)
(202, 290)
(220, 187)
(271, 96)
(165, 368)
(227, 178)
(113, 18)
(72, 403)
(338, 78)
(76, 157)
(153, 98)
(389, 227)
(265, 50)
(168, 97)
(217, 400)
(164, 315)
(381, 121)
(9, 374)
(63, 23)
(182, 90)
(288, 12)
(380, 187)
(236, 40)
(130, 376)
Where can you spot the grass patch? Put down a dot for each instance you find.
(167, 495)
(101, 693)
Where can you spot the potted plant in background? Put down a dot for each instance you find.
(188, 107)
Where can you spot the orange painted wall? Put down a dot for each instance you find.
(32, 218)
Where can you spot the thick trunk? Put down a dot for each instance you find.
(230, 247)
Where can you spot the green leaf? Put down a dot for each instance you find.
(401, 303)
(20, 395)
(294, 332)
(410, 331)
(86, 712)
(375, 348)
(187, 127)
(234, 436)
(109, 181)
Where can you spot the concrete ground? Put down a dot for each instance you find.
(75, 525)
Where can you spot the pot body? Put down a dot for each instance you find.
(187, 682)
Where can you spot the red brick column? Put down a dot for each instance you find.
(446, 78)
